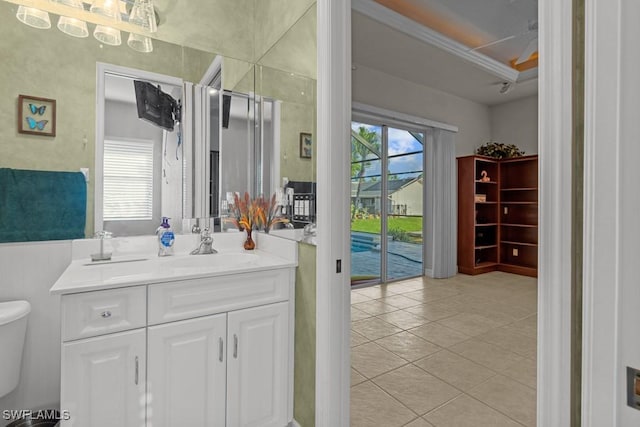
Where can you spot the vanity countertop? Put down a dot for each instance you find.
(144, 268)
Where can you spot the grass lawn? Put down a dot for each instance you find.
(405, 223)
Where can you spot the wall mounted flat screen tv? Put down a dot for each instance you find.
(156, 106)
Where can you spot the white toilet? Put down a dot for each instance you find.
(13, 327)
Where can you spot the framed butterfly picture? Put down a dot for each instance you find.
(36, 116)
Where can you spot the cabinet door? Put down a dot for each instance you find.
(187, 373)
(103, 380)
(257, 366)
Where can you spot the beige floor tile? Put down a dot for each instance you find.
(516, 311)
(374, 292)
(356, 378)
(509, 397)
(356, 297)
(358, 314)
(523, 372)
(470, 323)
(419, 422)
(418, 390)
(464, 411)
(374, 307)
(371, 407)
(454, 369)
(404, 287)
(489, 355)
(403, 319)
(372, 360)
(491, 311)
(374, 328)
(408, 346)
(400, 301)
(496, 366)
(512, 341)
(527, 326)
(357, 339)
(431, 293)
(433, 311)
(440, 335)
(466, 300)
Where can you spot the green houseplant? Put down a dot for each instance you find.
(498, 150)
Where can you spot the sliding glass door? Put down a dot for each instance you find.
(387, 203)
(366, 193)
(404, 196)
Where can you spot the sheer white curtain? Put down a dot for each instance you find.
(441, 221)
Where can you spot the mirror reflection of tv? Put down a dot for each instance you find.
(156, 106)
(226, 110)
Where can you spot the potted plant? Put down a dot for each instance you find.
(498, 150)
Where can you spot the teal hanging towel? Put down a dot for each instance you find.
(42, 205)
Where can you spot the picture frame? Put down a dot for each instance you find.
(306, 145)
(36, 115)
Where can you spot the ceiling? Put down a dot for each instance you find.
(462, 71)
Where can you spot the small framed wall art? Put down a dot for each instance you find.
(36, 116)
(306, 145)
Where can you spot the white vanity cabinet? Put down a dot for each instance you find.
(210, 352)
(257, 365)
(187, 373)
(103, 380)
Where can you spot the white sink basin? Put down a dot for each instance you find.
(209, 261)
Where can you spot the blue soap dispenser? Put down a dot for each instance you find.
(165, 238)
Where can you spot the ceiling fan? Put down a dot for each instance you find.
(532, 46)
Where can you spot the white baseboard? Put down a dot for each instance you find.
(294, 423)
(428, 272)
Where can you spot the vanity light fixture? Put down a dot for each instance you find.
(107, 35)
(107, 8)
(142, 14)
(72, 26)
(140, 43)
(33, 17)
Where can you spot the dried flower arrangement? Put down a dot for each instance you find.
(255, 214)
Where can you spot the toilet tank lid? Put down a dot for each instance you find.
(13, 310)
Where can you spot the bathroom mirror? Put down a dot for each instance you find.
(53, 65)
(140, 164)
(286, 113)
(50, 64)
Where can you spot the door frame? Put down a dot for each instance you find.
(554, 280)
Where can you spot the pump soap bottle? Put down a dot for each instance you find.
(165, 238)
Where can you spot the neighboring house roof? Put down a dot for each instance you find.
(373, 189)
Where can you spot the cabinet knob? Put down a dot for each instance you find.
(105, 314)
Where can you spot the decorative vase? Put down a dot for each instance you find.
(249, 244)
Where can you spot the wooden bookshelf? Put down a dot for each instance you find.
(498, 218)
(478, 227)
(519, 215)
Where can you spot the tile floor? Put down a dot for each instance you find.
(457, 352)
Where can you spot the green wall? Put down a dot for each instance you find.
(304, 401)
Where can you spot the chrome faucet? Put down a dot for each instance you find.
(102, 256)
(206, 241)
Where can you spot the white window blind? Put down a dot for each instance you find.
(128, 180)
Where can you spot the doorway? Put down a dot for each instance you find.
(387, 203)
